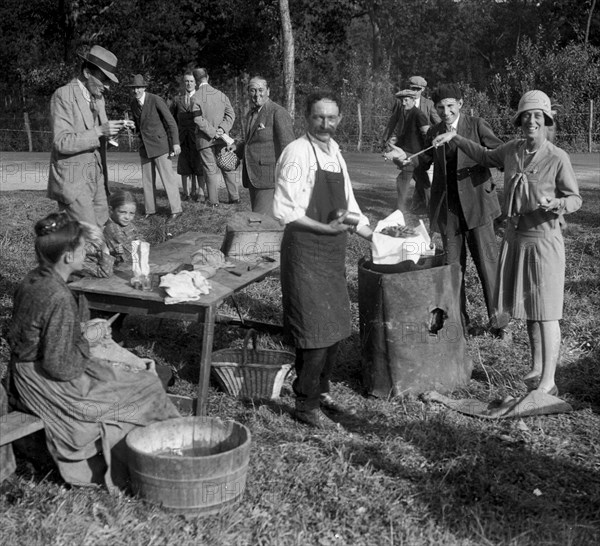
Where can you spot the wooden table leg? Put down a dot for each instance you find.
(208, 329)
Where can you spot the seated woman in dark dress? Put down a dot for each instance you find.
(88, 404)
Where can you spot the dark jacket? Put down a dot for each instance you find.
(271, 132)
(155, 125)
(476, 189)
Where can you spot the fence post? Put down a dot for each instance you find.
(28, 130)
(360, 129)
(591, 126)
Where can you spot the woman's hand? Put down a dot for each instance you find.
(96, 330)
(442, 139)
(549, 204)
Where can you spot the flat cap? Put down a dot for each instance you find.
(406, 93)
(417, 81)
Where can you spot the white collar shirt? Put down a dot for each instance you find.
(295, 175)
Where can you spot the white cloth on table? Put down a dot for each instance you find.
(184, 286)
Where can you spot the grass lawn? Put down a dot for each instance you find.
(403, 472)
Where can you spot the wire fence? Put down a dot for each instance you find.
(358, 131)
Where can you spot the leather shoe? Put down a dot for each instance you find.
(195, 197)
(315, 418)
(174, 216)
(330, 404)
(149, 215)
(212, 205)
(185, 197)
(234, 202)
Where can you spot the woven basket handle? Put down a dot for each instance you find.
(250, 333)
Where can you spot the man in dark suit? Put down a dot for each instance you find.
(420, 200)
(464, 202)
(269, 129)
(80, 130)
(188, 162)
(159, 140)
(214, 117)
(418, 85)
(410, 137)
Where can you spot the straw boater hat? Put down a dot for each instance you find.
(534, 100)
(137, 81)
(104, 60)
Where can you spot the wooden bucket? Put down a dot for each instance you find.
(189, 465)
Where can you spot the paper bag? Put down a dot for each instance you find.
(389, 250)
(140, 261)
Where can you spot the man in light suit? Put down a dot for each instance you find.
(214, 117)
(80, 130)
(188, 163)
(159, 140)
(269, 129)
(464, 202)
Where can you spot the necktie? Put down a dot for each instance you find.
(94, 109)
(252, 119)
(187, 99)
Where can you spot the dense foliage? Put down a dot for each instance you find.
(360, 47)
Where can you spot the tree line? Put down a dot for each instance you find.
(362, 48)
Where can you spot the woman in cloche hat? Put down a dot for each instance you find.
(539, 187)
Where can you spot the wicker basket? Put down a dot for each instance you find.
(251, 373)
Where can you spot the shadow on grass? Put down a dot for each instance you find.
(581, 380)
(588, 216)
(479, 484)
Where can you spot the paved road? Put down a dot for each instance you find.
(29, 171)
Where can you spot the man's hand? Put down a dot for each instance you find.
(110, 128)
(176, 149)
(394, 153)
(338, 226)
(220, 132)
(444, 138)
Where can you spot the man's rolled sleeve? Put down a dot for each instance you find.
(293, 184)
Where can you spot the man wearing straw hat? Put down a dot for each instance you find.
(80, 130)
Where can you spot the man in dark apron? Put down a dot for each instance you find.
(311, 183)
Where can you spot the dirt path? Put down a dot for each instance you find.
(29, 171)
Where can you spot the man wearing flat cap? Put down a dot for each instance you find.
(420, 201)
(159, 141)
(409, 135)
(80, 130)
(464, 203)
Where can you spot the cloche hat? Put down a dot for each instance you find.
(534, 100)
